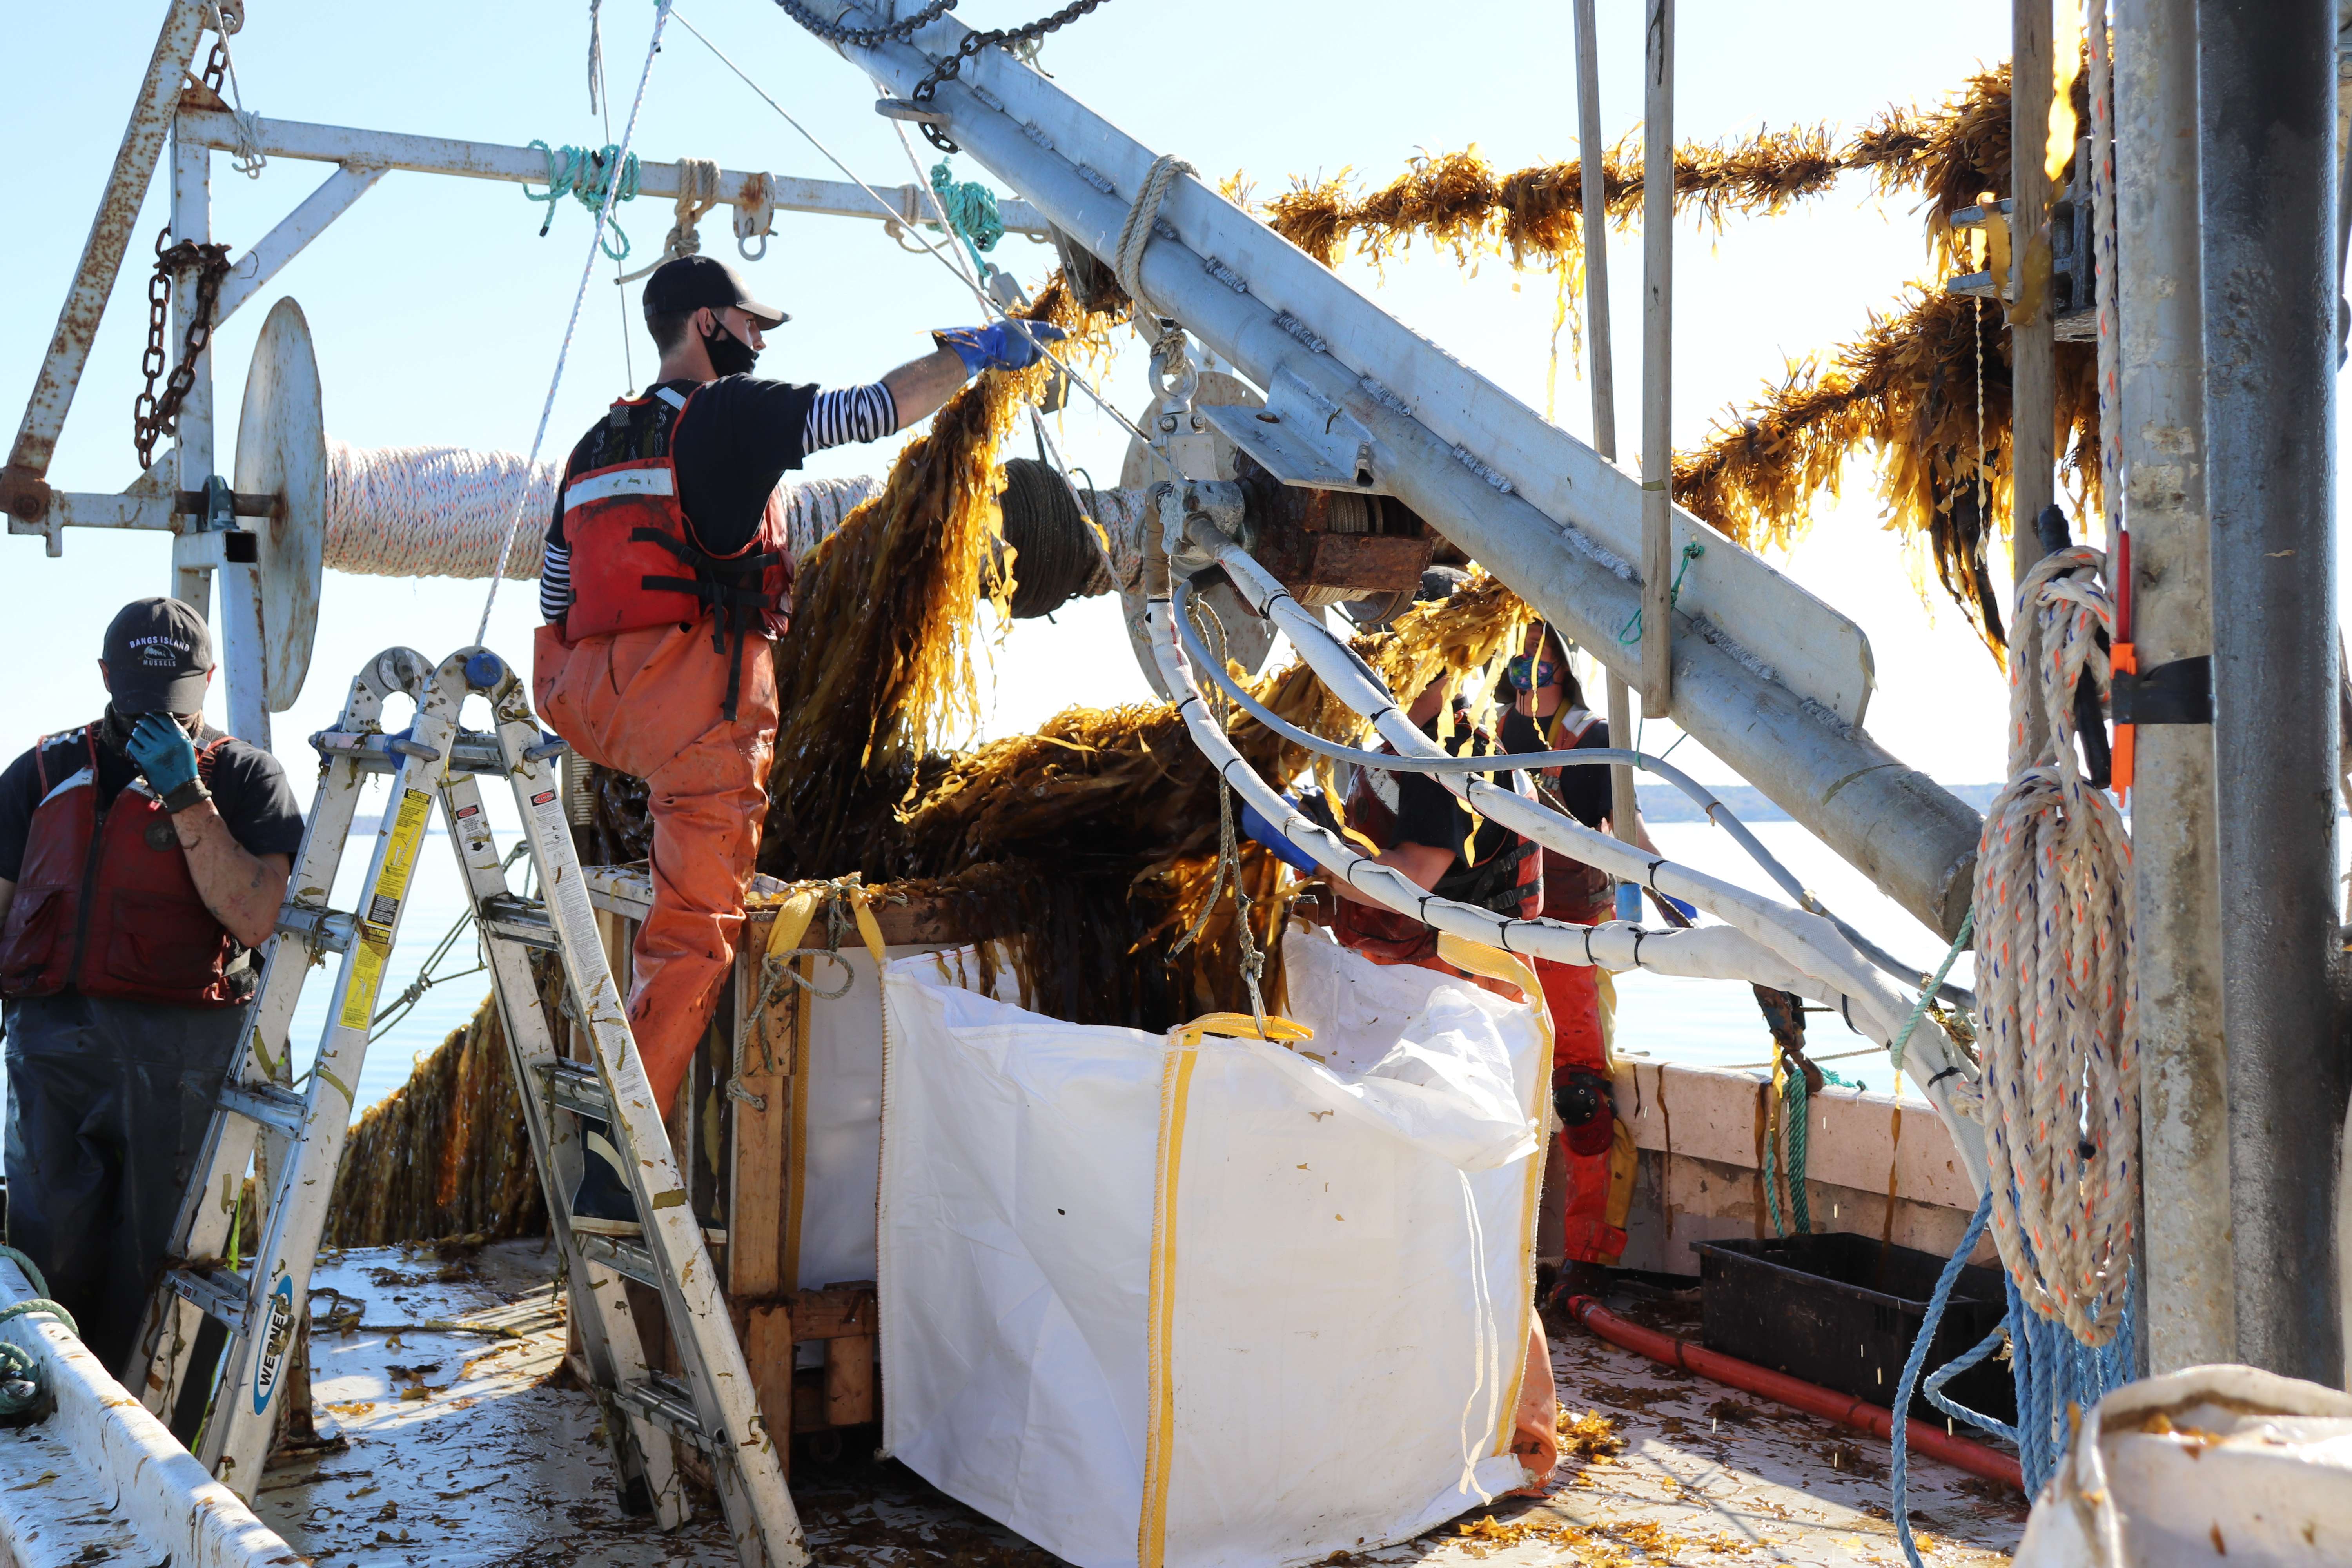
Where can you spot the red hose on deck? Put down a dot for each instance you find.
(1809, 1397)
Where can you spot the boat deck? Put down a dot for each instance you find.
(475, 1449)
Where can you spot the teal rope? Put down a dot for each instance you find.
(971, 209)
(1920, 1008)
(580, 172)
(1633, 631)
(20, 1371)
(1793, 1102)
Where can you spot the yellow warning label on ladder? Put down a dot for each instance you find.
(374, 944)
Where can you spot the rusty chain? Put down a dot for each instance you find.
(866, 37)
(152, 417)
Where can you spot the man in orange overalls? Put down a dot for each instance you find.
(667, 576)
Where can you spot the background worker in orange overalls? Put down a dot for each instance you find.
(667, 576)
(1588, 1176)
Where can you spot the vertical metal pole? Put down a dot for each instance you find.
(193, 551)
(1657, 360)
(1622, 805)
(2192, 1312)
(2267, 86)
(196, 553)
(2033, 356)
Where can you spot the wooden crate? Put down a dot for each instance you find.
(810, 1342)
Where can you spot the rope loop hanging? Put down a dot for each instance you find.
(1135, 235)
(2056, 983)
(698, 193)
(585, 175)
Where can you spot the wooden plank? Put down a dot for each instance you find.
(849, 1380)
(837, 1311)
(767, 1332)
(755, 1225)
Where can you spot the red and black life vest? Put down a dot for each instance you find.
(105, 902)
(1507, 878)
(636, 559)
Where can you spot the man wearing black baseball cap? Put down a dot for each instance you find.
(666, 574)
(142, 857)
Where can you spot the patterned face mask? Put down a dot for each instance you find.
(1546, 673)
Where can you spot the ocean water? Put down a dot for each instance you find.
(1702, 1021)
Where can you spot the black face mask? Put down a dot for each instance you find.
(730, 355)
(114, 731)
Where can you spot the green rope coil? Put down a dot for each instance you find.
(1633, 631)
(971, 209)
(580, 172)
(20, 1371)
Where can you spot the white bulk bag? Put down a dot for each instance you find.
(2201, 1467)
(1197, 1299)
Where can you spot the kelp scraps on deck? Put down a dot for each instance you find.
(444, 1154)
(1907, 392)
(1459, 201)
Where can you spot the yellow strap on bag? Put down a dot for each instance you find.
(1240, 1027)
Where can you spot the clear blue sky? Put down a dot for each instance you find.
(438, 309)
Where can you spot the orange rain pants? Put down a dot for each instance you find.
(1589, 1193)
(648, 703)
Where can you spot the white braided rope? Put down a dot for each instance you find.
(2055, 985)
(1135, 235)
(439, 511)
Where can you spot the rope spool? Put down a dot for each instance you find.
(1059, 557)
(437, 511)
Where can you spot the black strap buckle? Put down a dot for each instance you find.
(2179, 692)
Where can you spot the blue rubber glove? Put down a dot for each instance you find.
(1628, 902)
(998, 345)
(168, 758)
(1689, 912)
(1258, 829)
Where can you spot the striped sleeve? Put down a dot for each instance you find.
(555, 582)
(851, 414)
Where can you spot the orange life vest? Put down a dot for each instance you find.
(637, 558)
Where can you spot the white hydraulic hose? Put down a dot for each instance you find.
(1713, 952)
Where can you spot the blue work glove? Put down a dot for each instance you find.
(1258, 829)
(168, 758)
(1628, 902)
(999, 345)
(1689, 912)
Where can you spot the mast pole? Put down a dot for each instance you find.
(1622, 805)
(2267, 84)
(1657, 359)
(2190, 1315)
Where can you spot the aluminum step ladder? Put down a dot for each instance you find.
(293, 1138)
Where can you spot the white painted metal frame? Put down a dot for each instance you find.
(362, 158)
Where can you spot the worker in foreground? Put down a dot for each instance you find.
(667, 576)
(142, 856)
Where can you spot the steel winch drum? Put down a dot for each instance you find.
(281, 451)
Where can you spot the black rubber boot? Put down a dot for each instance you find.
(602, 1204)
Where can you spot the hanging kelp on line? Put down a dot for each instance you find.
(1460, 203)
(881, 661)
(446, 1155)
(1926, 388)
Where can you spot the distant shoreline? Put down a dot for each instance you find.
(1665, 803)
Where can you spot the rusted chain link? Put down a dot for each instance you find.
(951, 68)
(866, 37)
(152, 417)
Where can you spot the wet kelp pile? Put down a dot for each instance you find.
(444, 1154)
